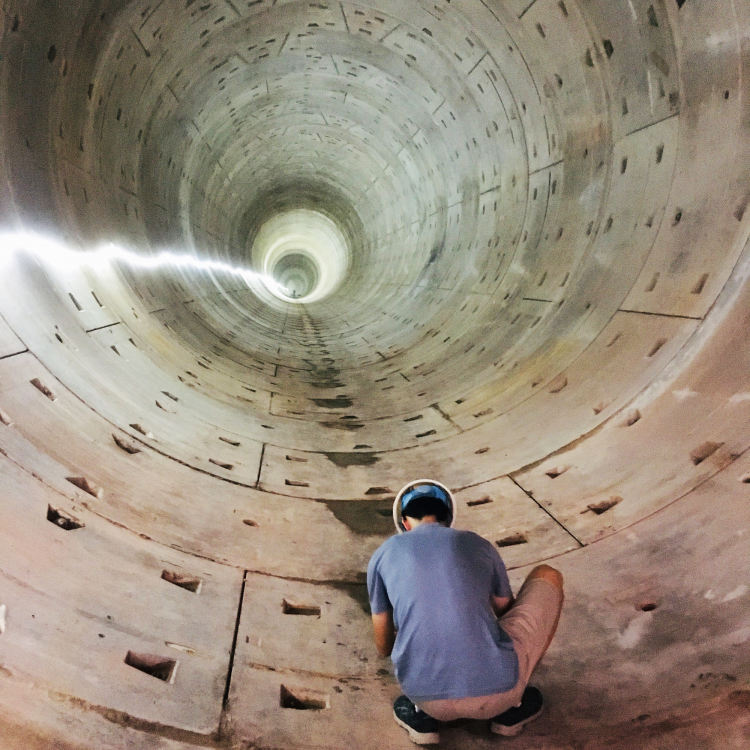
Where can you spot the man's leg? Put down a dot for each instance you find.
(553, 576)
(531, 622)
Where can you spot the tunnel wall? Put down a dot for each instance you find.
(547, 309)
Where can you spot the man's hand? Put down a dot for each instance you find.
(501, 604)
(384, 632)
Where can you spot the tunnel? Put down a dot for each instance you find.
(262, 262)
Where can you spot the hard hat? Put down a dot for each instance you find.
(422, 488)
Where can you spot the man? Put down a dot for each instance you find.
(435, 595)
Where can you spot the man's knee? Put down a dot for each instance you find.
(547, 573)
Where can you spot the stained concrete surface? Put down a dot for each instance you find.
(542, 302)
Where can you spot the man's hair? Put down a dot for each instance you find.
(420, 507)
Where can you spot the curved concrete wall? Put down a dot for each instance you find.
(545, 306)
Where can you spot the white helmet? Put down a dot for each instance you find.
(422, 488)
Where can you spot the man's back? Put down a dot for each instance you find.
(438, 582)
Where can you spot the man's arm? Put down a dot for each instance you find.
(384, 632)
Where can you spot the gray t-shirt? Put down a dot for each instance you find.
(438, 582)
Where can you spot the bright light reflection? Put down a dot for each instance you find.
(306, 232)
(52, 252)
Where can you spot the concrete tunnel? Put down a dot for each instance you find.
(264, 261)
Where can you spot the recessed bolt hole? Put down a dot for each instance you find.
(156, 666)
(656, 347)
(558, 384)
(481, 501)
(303, 700)
(512, 540)
(84, 484)
(142, 430)
(43, 389)
(221, 464)
(295, 483)
(64, 521)
(426, 434)
(703, 451)
(187, 582)
(305, 610)
(602, 507)
(631, 418)
(698, 288)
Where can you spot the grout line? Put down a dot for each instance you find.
(343, 15)
(446, 417)
(14, 354)
(230, 3)
(546, 166)
(225, 700)
(101, 328)
(661, 315)
(476, 64)
(651, 124)
(176, 98)
(260, 465)
(140, 43)
(526, 10)
(559, 523)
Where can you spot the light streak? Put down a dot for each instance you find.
(52, 252)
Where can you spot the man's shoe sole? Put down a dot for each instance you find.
(419, 738)
(512, 731)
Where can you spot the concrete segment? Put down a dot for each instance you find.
(545, 307)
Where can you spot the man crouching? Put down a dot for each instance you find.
(435, 594)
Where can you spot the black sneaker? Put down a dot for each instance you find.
(422, 729)
(511, 722)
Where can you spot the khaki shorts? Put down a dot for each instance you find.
(529, 623)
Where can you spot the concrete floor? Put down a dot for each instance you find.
(508, 244)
